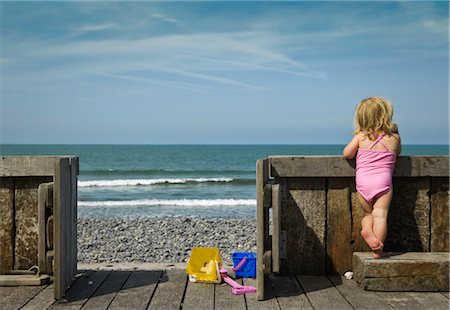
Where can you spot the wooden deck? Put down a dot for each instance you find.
(170, 289)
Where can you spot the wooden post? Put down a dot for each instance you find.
(63, 243)
(439, 216)
(276, 227)
(6, 225)
(261, 179)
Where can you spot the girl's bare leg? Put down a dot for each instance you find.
(367, 224)
(380, 214)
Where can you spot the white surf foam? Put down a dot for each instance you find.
(170, 203)
(148, 182)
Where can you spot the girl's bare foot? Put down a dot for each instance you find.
(371, 240)
(377, 254)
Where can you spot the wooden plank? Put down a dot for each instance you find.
(289, 293)
(137, 291)
(224, 298)
(26, 221)
(73, 215)
(261, 178)
(15, 297)
(400, 301)
(61, 203)
(45, 197)
(423, 271)
(356, 296)
(439, 215)
(82, 290)
(15, 280)
(359, 245)
(276, 228)
(108, 290)
(338, 166)
(43, 300)
(6, 224)
(409, 216)
(199, 296)
(433, 166)
(322, 294)
(303, 218)
(20, 166)
(267, 238)
(433, 301)
(170, 290)
(339, 226)
(252, 302)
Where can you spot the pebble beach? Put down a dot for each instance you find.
(161, 240)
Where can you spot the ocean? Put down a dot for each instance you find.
(209, 181)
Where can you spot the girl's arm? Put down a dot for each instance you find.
(351, 148)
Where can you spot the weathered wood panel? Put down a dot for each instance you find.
(81, 291)
(339, 226)
(337, 166)
(276, 228)
(13, 166)
(261, 179)
(6, 224)
(400, 300)
(15, 297)
(322, 294)
(439, 215)
(289, 293)
(356, 296)
(26, 221)
(224, 298)
(199, 296)
(433, 301)
(45, 197)
(43, 300)
(105, 294)
(137, 291)
(74, 169)
(303, 218)
(359, 244)
(252, 302)
(403, 272)
(344, 215)
(170, 290)
(62, 202)
(409, 216)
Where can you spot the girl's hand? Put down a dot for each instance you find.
(351, 148)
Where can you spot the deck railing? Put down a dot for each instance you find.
(310, 204)
(38, 222)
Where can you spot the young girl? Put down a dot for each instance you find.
(376, 145)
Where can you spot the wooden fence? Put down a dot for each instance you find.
(38, 207)
(311, 205)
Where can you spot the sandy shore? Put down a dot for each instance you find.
(160, 240)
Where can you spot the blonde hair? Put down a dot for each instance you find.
(373, 116)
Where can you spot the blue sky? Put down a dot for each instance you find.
(220, 72)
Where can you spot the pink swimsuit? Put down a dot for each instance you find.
(374, 170)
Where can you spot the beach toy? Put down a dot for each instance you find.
(244, 264)
(204, 265)
(236, 288)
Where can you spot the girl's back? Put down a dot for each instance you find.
(391, 142)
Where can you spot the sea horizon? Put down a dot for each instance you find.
(184, 180)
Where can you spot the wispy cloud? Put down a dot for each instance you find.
(159, 82)
(94, 27)
(231, 51)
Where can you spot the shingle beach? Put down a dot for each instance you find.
(163, 240)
